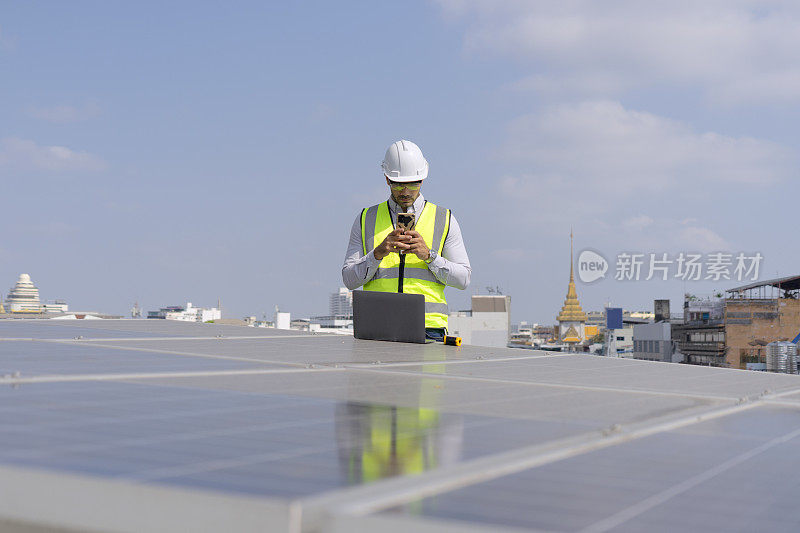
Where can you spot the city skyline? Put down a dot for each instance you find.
(337, 299)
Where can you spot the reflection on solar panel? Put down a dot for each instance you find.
(137, 425)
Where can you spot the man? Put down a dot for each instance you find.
(382, 257)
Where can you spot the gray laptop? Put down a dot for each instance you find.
(389, 316)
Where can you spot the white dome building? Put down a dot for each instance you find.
(23, 297)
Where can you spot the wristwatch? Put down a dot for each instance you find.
(433, 255)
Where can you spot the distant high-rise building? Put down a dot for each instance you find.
(341, 302)
(23, 297)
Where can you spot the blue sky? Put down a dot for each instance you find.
(188, 151)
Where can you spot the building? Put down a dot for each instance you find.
(521, 334)
(619, 333)
(734, 330)
(653, 341)
(23, 297)
(341, 303)
(598, 318)
(620, 340)
(162, 313)
(661, 311)
(701, 335)
(758, 314)
(55, 306)
(340, 317)
(187, 313)
(533, 335)
(300, 324)
(543, 333)
(571, 319)
(590, 331)
(283, 320)
(332, 324)
(488, 323)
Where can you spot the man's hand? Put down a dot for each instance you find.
(417, 245)
(394, 242)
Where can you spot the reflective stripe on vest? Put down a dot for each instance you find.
(433, 224)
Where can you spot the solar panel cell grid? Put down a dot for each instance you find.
(679, 480)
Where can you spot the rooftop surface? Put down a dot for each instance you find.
(153, 425)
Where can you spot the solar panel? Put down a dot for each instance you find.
(168, 423)
(26, 359)
(681, 480)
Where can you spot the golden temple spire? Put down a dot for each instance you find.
(571, 277)
(571, 311)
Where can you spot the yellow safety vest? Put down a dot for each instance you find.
(407, 272)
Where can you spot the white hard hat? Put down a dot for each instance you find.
(404, 162)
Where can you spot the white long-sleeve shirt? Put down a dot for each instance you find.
(451, 267)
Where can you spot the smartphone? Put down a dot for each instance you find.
(405, 220)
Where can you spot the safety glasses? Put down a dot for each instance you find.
(414, 186)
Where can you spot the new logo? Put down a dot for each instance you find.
(591, 266)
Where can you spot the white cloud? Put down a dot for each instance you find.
(594, 83)
(628, 173)
(638, 222)
(65, 113)
(597, 145)
(25, 154)
(737, 50)
(668, 234)
(702, 239)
